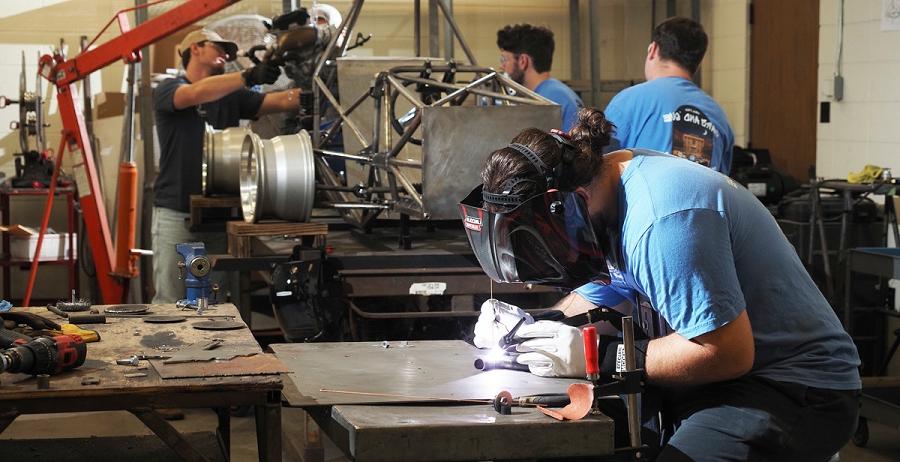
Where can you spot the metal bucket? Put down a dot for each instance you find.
(278, 177)
(221, 160)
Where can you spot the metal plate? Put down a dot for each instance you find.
(164, 319)
(451, 164)
(437, 433)
(441, 368)
(126, 309)
(218, 325)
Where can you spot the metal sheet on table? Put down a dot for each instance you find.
(442, 368)
(425, 433)
(260, 364)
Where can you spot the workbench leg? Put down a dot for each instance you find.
(313, 450)
(223, 431)
(268, 428)
(166, 432)
(243, 298)
(6, 419)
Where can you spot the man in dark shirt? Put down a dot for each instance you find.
(183, 105)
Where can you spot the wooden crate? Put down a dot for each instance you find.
(199, 203)
(240, 234)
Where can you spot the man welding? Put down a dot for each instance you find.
(756, 366)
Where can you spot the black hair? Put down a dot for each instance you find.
(681, 40)
(590, 133)
(535, 41)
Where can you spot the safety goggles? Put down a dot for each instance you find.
(546, 239)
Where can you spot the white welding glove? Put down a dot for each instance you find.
(554, 349)
(496, 320)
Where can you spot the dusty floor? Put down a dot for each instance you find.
(884, 442)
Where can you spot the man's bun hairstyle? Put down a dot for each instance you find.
(681, 40)
(588, 136)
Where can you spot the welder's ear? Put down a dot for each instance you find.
(583, 192)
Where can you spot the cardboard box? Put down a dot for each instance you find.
(23, 241)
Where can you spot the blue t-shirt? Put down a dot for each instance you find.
(559, 93)
(672, 115)
(701, 248)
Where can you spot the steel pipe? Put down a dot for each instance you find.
(277, 177)
(222, 160)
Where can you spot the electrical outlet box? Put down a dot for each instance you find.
(828, 88)
(838, 88)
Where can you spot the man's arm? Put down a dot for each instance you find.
(206, 90)
(282, 101)
(575, 304)
(723, 354)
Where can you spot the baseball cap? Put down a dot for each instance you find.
(204, 35)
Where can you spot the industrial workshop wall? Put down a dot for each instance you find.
(863, 126)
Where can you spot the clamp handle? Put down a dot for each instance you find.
(591, 355)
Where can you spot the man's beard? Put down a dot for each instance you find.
(517, 75)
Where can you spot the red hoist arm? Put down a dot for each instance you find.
(113, 279)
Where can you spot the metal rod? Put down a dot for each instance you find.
(433, 40)
(356, 205)
(467, 88)
(575, 38)
(594, 29)
(634, 424)
(404, 92)
(408, 186)
(448, 15)
(341, 112)
(325, 152)
(522, 90)
(407, 134)
(417, 27)
(405, 163)
(410, 397)
(447, 5)
(470, 89)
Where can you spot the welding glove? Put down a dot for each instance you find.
(261, 73)
(496, 320)
(552, 349)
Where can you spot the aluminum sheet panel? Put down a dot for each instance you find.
(441, 368)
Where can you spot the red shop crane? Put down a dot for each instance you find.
(115, 266)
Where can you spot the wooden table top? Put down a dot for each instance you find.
(123, 337)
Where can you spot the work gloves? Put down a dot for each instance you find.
(554, 349)
(262, 73)
(496, 320)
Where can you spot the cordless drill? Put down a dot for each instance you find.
(43, 355)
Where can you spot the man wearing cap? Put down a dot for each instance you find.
(204, 93)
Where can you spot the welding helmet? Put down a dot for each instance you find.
(545, 239)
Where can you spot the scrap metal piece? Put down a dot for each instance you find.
(132, 375)
(164, 319)
(219, 325)
(127, 309)
(209, 351)
(581, 399)
(132, 361)
(73, 306)
(258, 364)
(90, 381)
